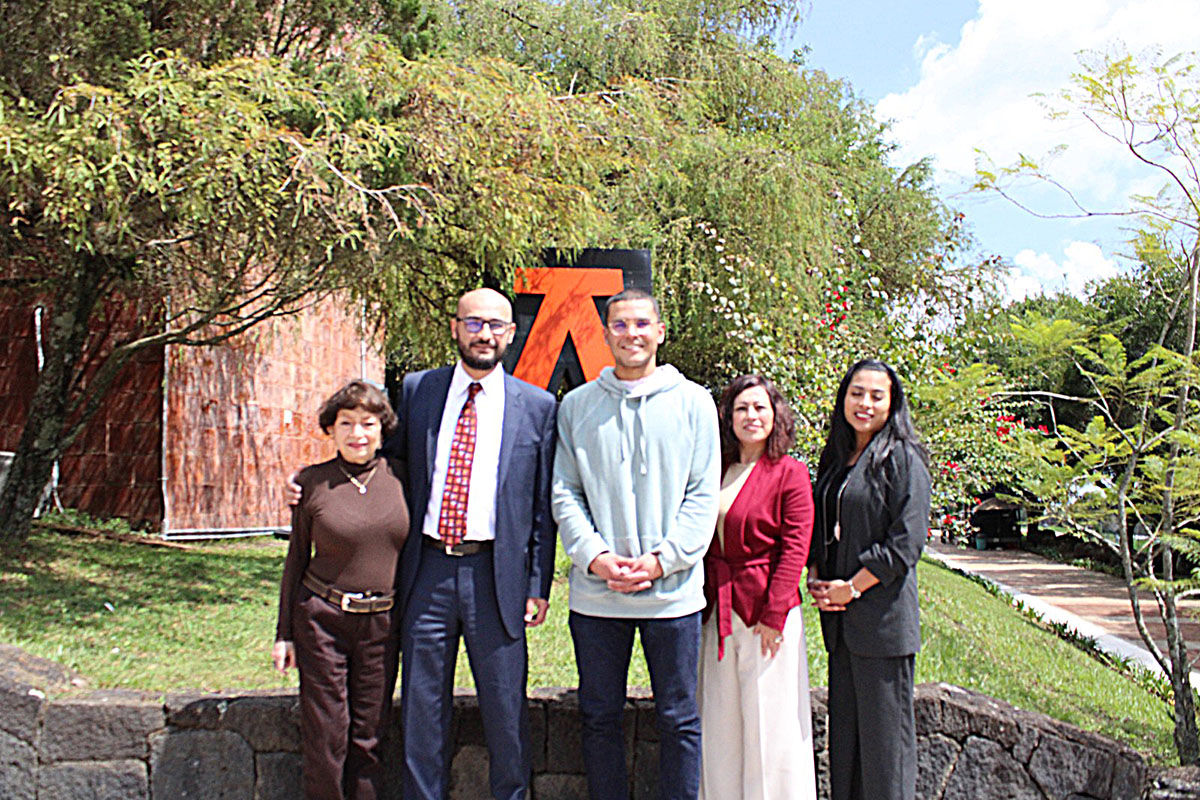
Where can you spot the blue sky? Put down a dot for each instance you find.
(955, 75)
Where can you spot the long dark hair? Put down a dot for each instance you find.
(897, 432)
(783, 433)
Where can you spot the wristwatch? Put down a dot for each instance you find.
(854, 592)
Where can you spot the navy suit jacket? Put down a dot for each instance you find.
(523, 554)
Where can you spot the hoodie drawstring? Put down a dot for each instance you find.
(644, 453)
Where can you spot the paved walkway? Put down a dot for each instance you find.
(1092, 603)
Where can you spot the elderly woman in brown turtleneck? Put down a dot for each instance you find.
(336, 599)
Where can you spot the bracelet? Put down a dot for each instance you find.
(854, 592)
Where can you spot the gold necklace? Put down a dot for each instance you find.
(362, 485)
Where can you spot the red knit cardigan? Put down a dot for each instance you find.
(767, 533)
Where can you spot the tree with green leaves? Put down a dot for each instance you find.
(211, 198)
(784, 241)
(1132, 463)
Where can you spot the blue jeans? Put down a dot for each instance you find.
(603, 646)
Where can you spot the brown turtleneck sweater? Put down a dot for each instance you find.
(349, 540)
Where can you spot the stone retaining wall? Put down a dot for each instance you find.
(125, 745)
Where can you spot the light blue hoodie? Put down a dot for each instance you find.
(638, 471)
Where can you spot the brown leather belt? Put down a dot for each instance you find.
(350, 602)
(460, 549)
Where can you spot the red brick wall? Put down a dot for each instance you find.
(241, 418)
(18, 367)
(113, 467)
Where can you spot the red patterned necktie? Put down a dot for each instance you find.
(452, 521)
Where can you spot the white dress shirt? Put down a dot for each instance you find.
(485, 465)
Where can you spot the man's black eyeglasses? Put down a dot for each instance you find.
(475, 324)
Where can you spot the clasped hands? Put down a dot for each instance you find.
(831, 595)
(624, 574)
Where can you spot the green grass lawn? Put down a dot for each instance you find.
(144, 617)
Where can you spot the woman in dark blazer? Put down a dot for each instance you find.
(872, 516)
(753, 690)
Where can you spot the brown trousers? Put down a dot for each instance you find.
(347, 666)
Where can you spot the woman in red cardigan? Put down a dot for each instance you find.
(753, 691)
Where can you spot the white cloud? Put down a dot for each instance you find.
(977, 93)
(1080, 263)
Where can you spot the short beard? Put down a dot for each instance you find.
(475, 362)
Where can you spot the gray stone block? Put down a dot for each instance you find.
(18, 768)
(818, 699)
(563, 731)
(467, 720)
(560, 787)
(200, 765)
(821, 763)
(269, 723)
(94, 780)
(1173, 783)
(469, 773)
(936, 756)
(984, 769)
(537, 735)
(277, 776)
(24, 682)
(977, 715)
(194, 710)
(1061, 768)
(20, 705)
(644, 772)
(646, 725)
(100, 726)
(927, 708)
(1027, 742)
(1129, 777)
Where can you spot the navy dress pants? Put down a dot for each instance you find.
(455, 596)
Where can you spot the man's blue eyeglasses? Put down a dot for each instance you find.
(620, 327)
(475, 324)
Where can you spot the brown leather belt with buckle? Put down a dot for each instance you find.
(460, 549)
(350, 602)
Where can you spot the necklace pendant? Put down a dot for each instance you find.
(362, 489)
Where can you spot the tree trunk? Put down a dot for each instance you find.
(1187, 739)
(42, 440)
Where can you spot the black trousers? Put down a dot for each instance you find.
(872, 732)
(347, 666)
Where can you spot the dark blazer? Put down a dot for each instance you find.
(767, 532)
(884, 533)
(523, 555)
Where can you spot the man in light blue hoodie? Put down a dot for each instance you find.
(636, 479)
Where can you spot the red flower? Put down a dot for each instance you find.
(1043, 429)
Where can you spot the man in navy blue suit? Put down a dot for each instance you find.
(478, 445)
